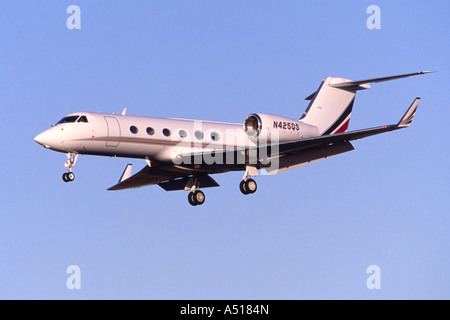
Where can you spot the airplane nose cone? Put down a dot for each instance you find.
(40, 139)
(44, 139)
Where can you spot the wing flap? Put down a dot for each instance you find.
(204, 181)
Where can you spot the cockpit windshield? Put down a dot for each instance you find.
(82, 119)
(68, 119)
(71, 119)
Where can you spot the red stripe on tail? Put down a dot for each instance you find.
(344, 127)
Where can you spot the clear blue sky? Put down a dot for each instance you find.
(307, 233)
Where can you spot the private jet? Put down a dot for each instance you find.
(182, 154)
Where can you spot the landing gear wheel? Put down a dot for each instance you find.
(71, 160)
(199, 197)
(71, 176)
(248, 186)
(251, 186)
(191, 199)
(242, 187)
(68, 176)
(196, 198)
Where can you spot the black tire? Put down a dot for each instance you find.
(191, 199)
(65, 177)
(251, 186)
(242, 187)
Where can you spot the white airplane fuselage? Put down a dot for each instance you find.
(140, 137)
(161, 139)
(171, 147)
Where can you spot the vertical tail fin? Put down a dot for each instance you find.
(330, 107)
(332, 104)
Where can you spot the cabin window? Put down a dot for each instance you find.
(68, 119)
(150, 131)
(198, 135)
(182, 133)
(134, 130)
(215, 136)
(166, 132)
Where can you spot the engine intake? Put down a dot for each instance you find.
(253, 125)
(266, 128)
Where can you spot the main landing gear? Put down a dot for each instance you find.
(196, 198)
(248, 185)
(71, 160)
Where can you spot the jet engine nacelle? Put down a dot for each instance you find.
(262, 128)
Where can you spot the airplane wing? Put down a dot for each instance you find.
(290, 154)
(147, 176)
(298, 152)
(351, 135)
(167, 177)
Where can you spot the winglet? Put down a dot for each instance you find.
(409, 115)
(126, 173)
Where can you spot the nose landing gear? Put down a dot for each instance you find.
(71, 160)
(68, 176)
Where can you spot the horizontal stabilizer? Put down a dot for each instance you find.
(362, 84)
